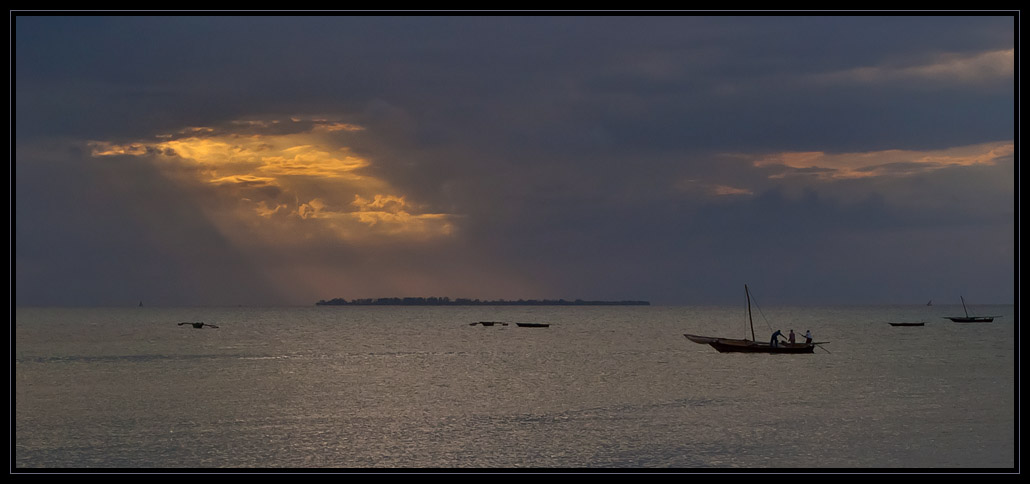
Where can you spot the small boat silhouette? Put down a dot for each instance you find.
(970, 319)
(199, 324)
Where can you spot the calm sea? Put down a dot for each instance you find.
(601, 388)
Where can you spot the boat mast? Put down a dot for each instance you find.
(964, 305)
(748, 294)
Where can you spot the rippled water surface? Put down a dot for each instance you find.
(418, 387)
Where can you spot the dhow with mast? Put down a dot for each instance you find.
(730, 345)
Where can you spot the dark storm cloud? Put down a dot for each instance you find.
(593, 157)
(440, 68)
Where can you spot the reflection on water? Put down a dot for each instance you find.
(418, 387)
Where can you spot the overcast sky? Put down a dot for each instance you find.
(267, 160)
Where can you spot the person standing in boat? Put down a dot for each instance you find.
(775, 340)
(808, 336)
(790, 337)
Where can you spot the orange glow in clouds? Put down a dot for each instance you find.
(827, 166)
(305, 184)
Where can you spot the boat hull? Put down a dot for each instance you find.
(725, 345)
(532, 325)
(907, 324)
(700, 339)
(974, 319)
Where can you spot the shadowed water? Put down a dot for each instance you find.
(418, 387)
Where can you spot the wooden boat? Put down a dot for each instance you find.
(730, 345)
(907, 324)
(970, 319)
(532, 325)
(488, 323)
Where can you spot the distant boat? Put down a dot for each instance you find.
(489, 323)
(929, 303)
(729, 345)
(199, 325)
(141, 304)
(970, 319)
(912, 323)
(532, 325)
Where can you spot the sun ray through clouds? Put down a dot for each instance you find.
(286, 179)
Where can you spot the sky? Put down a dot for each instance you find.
(206, 160)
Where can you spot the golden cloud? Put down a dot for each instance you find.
(246, 180)
(289, 172)
(835, 166)
(102, 148)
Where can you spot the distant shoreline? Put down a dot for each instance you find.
(445, 301)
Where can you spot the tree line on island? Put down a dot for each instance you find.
(446, 301)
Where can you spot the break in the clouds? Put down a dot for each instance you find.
(283, 160)
(293, 177)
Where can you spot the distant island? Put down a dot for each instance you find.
(446, 301)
